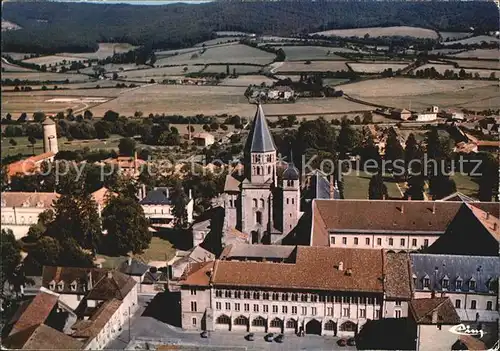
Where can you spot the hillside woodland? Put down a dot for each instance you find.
(51, 27)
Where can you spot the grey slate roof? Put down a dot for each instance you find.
(262, 140)
(291, 172)
(257, 251)
(321, 185)
(157, 196)
(481, 269)
(134, 267)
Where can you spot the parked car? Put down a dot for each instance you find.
(279, 338)
(204, 334)
(269, 337)
(342, 342)
(250, 337)
(351, 342)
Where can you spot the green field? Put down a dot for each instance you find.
(356, 186)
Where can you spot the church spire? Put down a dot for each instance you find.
(262, 140)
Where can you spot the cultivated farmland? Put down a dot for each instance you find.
(217, 41)
(239, 69)
(377, 67)
(314, 66)
(474, 40)
(478, 64)
(301, 53)
(157, 73)
(45, 76)
(479, 53)
(237, 53)
(246, 80)
(442, 68)
(454, 35)
(53, 60)
(382, 32)
(7, 67)
(420, 93)
(105, 50)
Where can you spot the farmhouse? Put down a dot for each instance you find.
(203, 139)
(280, 92)
(126, 165)
(429, 115)
(282, 289)
(401, 114)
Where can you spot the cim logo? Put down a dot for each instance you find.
(462, 329)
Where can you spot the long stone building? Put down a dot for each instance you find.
(288, 289)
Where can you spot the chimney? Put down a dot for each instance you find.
(495, 226)
(434, 208)
(129, 261)
(409, 198)
(348, 272)
(434, 317)
(487, 215)
(341, 266)
(429, 197)
(332, 189)
(89, 280)
(109, 274)
(402, 208)
(383, 197)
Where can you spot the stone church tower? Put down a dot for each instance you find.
(254, 202)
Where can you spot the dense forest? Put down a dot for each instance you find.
(49, 27)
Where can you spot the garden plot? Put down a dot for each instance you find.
(314, 66)
(382, 32)
(377, 67)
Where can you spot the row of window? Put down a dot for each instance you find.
(346, 311)
(402, 242)
(473, 304)
(290, 199)
(238, 294)
(260, 170)
(445, 283)
(258, 158)
(22, 220)
(261, 203)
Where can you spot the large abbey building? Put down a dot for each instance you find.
(255, 203)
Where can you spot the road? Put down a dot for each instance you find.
(147, 329)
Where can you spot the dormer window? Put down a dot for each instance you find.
(445, 283)
(26, 204)
(73, 286)
(39, 204)
(493, 285)
(472, 284)
(60, 286)
(458, 283)
(3, 203)
(427, 282)
(414, 277)
(52, 285)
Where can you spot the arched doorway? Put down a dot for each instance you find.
(240, 323)
(291, 326)
(259, 324)
(276, 325)
(348, 327)
(223, 322)
(330, 327)
(313, 327)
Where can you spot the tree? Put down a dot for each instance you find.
(488, 180)
(179, 202)
(441, 185)
(411, 150)
(12, 142)
(76, 217)
(88, 114)
(138, 114)
(367, 118)
(126, 146)
(393, 150)
(11, 259)
(126, 225)
(415, 189)
(370, 156)
(377, 190)
(38, 116)
(214, 126)
(223, 127)
(348, 139)
(111, 116)
(32, 141)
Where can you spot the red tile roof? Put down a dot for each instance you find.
(37, 311)
(376, 215)
(314, 268)
(489, 221)
(20, 199)
(423, 309)
(41, 337)
(91, 327)
(29, 165)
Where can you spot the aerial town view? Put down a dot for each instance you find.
(250, 175)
